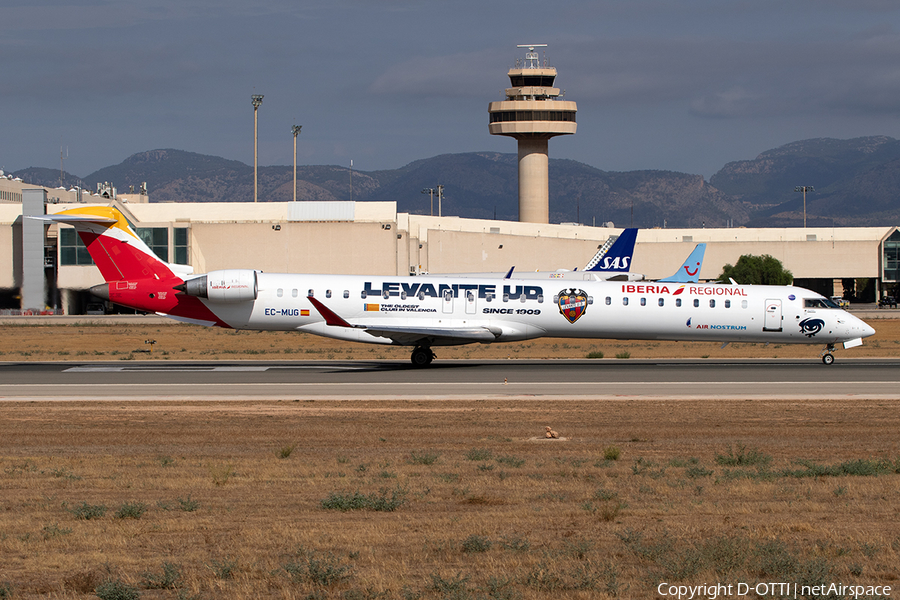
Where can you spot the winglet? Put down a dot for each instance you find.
(331, 318)
(689, 271)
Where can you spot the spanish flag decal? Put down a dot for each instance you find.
(372, 307)
(304, 312)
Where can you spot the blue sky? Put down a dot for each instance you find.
(683, 85)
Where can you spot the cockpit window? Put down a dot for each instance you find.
(818, 303)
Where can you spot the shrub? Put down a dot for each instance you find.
(476, 543)
(221, 474)
(316, 568)
(743, 457)
(169, 579)
(612, 453)
(623, 355)
(223, 569)
(131, 510)
(286, 451)
(595, 354)
(479, 454)
(114, 589)
(511, 461)
(382, 501)
(52, 531)
(188, 505)
(423, 458)
(88, 511)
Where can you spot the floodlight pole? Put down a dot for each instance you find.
(256, 99)
(296, 131)
(430, 192)
(804, 189)
(440, 191)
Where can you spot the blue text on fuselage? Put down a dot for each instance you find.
(429, 290)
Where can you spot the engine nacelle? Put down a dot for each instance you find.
(230, 285)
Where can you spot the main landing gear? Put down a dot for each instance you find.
(827, 356)
(422, 356)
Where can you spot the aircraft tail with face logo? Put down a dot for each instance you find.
(689, 272)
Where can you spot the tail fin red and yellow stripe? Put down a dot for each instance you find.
(117, 251)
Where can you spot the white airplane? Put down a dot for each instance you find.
(424, 312)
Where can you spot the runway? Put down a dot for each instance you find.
(451, 379)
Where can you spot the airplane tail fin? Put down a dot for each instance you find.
(618, 256)
(689, 272)
(116, 249)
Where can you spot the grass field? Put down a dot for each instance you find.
(193, 342)
(433, 500)
(453, 500)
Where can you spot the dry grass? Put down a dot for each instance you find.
(485, 508)
(192, 342)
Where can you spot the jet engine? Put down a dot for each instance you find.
(231, 285)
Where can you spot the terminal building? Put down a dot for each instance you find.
(373, 238)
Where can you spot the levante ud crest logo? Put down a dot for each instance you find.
(572, 304)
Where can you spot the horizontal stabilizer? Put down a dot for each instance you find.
(73, 219)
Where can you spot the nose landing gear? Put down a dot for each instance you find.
(827, 356)
(421, 356)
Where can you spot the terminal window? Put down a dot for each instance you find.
(157, 238)
(72, 250)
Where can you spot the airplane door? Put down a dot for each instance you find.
(470, 302)
(773, 315)
(447, 301)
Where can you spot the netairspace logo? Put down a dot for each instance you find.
(771, 590)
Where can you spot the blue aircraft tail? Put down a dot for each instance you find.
(689, 272)
(618, 257)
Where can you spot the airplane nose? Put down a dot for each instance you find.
(867, 330)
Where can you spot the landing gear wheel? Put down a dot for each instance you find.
(421, 357)
(828, 358)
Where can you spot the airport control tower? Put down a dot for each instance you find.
(532, 114)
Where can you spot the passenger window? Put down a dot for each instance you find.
(280, 292)
(743, 304)
(506, 297)
(728, 304)
(295, 292)
(522, 298)
(311, 293)
(625, 301)
(540, 298)
(712, 303)
(403, 295)
(678, 302)
(421, 295)
(346, 293)
(385, 294)
(662, 301)
(643, 302)
(362, 294)
(608, 300)
(696, 303)
(328, 293)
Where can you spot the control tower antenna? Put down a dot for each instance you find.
(532, 114)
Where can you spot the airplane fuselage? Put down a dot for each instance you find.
(519, 309)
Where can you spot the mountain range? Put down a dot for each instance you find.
(856, 181)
